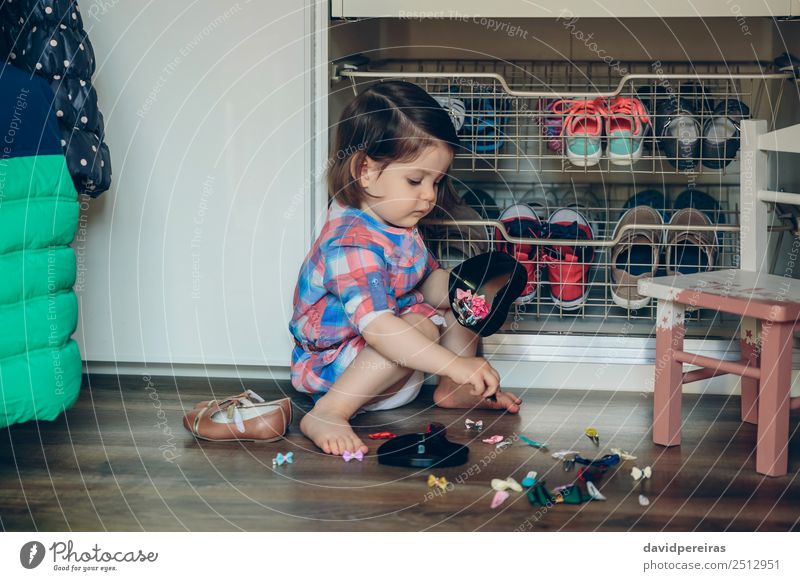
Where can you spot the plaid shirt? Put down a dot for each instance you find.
(357, 269)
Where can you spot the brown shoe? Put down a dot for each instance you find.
(285, 403)
(690, 251)
(635, 256)
(238, 419)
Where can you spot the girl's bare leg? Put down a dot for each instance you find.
(367, 379)
(448, 394)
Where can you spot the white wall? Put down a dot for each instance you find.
(192, 256)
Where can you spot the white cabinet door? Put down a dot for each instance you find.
(580, 8)
(193, 254)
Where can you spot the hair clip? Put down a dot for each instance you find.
(476, 425)
(570, 494)
(499, 498)
(593, 491)
(567, 457)
(493, 439)
(456, 110)
(592, 434)
(624, 454)
(533, 443)
(538, 495)
(469, 308)
(440, 483)
(640, 475)
(358, 455)
(282, 459)
(530, 479)
(382, 436)
(504, 444)
(607, 460)
(500, 484)
(561, 454)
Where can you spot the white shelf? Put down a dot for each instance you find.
(415, 9)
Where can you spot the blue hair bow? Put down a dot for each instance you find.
(280, 459)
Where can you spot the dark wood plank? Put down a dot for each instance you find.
(121, 460)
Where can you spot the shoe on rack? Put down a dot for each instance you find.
(699, 200)
(520, 221)
(651, 197)
(652, 95)
(485, 121)
(582, 129)
(583, 200)
(543, 201)
(627, 125)
(452, 253)
(238, 420)
(284, 402)
(552, 122)
(788, 63)
(451, 244)
(722, 135)
(678, 132)
(568, 266)
(690, 251)
(635, 255)
(481, 202)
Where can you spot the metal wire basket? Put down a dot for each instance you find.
(511, 114)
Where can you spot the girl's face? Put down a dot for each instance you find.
(405, 192)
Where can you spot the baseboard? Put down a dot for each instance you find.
(516, 375)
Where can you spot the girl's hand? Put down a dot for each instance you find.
(476, 371)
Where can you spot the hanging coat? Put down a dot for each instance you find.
(46, 38)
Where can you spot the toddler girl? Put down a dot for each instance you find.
(371, 310)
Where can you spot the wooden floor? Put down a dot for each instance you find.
(121, 460)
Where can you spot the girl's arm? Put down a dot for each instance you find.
(435, 288)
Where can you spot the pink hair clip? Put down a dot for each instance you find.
(499, 498)
(359, 455)
(470, 308)
(493, 440)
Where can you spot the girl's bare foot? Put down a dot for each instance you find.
(331, 432)
(451, 395)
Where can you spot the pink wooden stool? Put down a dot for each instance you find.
(766, 363)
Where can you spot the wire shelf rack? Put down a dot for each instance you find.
(534, 116)
(480, 227)
(512, 116)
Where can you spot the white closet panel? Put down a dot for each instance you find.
(192, 256)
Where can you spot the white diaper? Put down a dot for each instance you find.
(410, 389)
(404, 395)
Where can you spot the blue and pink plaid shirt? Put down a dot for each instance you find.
(357, 269)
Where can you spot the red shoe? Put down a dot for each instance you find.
(521, 221)
(568, 266)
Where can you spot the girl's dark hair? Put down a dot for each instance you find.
(391, 121)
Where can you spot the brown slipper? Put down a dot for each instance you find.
(238, 419)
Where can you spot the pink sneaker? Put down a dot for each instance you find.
(582, 129)
(626, 126)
